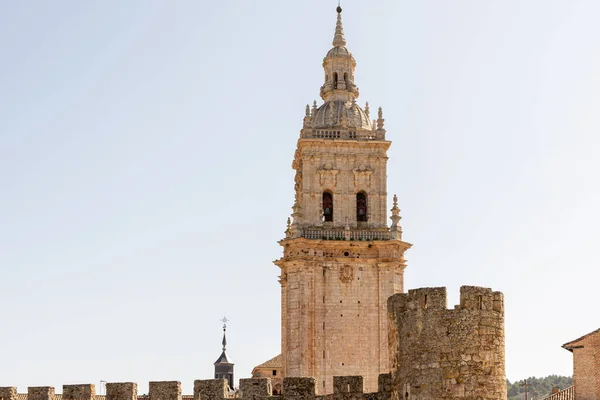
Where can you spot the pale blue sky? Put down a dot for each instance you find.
(145, 166)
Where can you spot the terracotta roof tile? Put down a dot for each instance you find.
(275, 362)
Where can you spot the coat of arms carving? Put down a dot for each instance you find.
(346, 274)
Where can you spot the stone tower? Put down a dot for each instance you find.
(341, 261)
(223, 366)
(439, 353)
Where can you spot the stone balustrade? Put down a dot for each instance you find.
(342, 134)
(343, 234)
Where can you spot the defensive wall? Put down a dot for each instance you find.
(345, 388)
(437, 353)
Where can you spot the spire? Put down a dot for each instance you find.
(224, 366)
(224, 342)
(338, 39)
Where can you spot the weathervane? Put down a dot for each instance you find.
(224, 320)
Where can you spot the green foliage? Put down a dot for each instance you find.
(539, 387)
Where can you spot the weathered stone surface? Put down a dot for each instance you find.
(299, 388)
(169, 390)
(384, 383)
(40, 393)
(79, 392)
(121, 391)
(256, 388)
(347, 384)
(210, 389)
(8, 393)
(447, 354)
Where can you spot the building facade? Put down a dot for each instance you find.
(586, 365)
(341, 261)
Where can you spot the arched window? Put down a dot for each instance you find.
(335, 80)
(328, 207)
(361, 207)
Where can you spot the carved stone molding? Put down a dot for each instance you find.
(328, 176)
(362, 177)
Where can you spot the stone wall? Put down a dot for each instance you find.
(79, 392)
(345, 388)
(8, 393)
(447, 354)
(334, 299)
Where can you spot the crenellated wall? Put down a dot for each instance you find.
(345, 388)
(437, 353)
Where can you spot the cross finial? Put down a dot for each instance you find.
(224, 320)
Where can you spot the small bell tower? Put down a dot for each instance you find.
(341, 260)
(223, 366)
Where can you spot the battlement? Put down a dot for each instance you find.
(471, 298)
(345, 388)
(441, 353)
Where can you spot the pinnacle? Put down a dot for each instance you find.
(339, 40)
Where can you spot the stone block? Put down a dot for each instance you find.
(348, 384)
(384, 382)
(169, 390)
(299, 388)
(8, 393)
(256, 388)
(40, 393)
(79, 392)
(210, 389)
(121, 391)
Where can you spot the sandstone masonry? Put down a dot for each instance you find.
(341, 261)
(447, 354)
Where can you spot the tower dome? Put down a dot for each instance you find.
(335, 113)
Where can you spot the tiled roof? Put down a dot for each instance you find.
(275, 362)
(569, 346)
(565, 394)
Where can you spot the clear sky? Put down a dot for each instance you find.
(145, 167)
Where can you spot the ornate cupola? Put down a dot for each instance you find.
(339, 65)
(340, 117)
(223, 366)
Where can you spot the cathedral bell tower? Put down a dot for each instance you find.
(341, 261)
